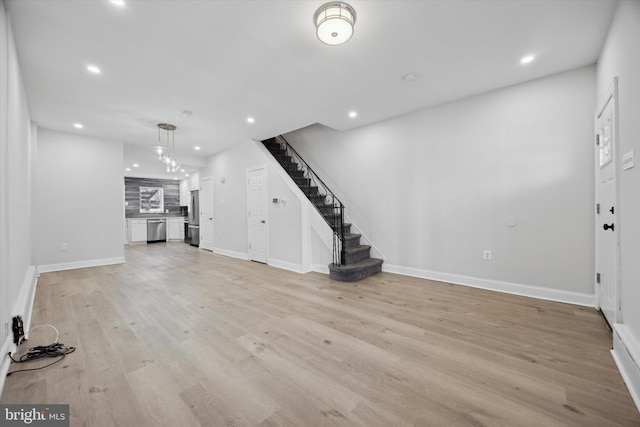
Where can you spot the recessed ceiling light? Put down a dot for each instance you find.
(186, 174)
(182, 170)
(527, 59)
(175, 177)
(127, 169)
(93, 69)
(135, 165)
(251, 120)
(118, 2)
(353, 114)
(196, 148)
(78, 125)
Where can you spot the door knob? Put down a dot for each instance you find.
(612, 210)
(263, 221)
(608, 227)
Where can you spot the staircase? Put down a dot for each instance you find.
(351, 260)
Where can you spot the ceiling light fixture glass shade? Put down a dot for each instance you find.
(334, 23)
(166, 153)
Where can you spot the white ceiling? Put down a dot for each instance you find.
(228, 60)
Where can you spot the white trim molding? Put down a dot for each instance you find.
(24, 308)
(231, 254)
(321, 268)
(47, 268)
(626, 353)
(496, 285)
(285, 265)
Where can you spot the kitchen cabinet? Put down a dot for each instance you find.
(175, 228)
(185, 192)
(137, 230)
(194, 181)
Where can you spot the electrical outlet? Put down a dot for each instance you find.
(63, 247)
(486, 255)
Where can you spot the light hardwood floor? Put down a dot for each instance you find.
(178, 336)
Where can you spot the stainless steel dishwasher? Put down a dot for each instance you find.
(156, 230)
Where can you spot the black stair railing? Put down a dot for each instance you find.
(325, 202)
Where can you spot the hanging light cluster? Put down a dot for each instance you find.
(166, 153)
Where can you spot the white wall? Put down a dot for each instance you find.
(433, 189)
(621, 57)
(79, 201)
(17, 150)
(230, 207)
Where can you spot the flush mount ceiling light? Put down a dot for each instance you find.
(166, 153)
(334, 23)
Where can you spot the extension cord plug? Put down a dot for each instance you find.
(18, 330)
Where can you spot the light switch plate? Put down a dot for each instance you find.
(627, 160)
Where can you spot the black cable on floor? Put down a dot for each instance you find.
(34, 353)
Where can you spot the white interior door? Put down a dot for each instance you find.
(257, 214)
(206, 213)
(607, 228)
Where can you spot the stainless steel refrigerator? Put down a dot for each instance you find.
(194, 219)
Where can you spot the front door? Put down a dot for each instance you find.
(607, 227)
(257, 214)
(206, 216)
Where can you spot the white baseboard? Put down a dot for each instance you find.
(23, 307)
(626, 353)
(496, 285)
(320, 268)
(47, 268)
(231, 254)
(296, 268)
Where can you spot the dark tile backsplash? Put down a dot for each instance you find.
(171, 189)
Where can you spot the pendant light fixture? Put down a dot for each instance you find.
(166, 153)
(334, 23)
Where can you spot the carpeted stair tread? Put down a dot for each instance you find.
(358, 263)
(355, 272)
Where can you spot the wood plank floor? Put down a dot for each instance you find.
(178, 336)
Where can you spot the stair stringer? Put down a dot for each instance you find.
(317, 236)
(364, 240)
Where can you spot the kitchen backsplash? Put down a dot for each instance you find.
(171, 190)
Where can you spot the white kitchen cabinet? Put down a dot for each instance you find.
(137, 230)
(185, 192)
(194, 181)
(175, 228)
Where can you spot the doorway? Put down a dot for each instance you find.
(257, 213)
(607, 227)
(206, 213)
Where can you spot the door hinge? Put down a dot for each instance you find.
(598, 139)
(598, 208)
(597, 277)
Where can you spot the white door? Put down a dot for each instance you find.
(607, 227)
(257, 214)
(206, 213)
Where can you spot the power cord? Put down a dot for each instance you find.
(52, 350)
